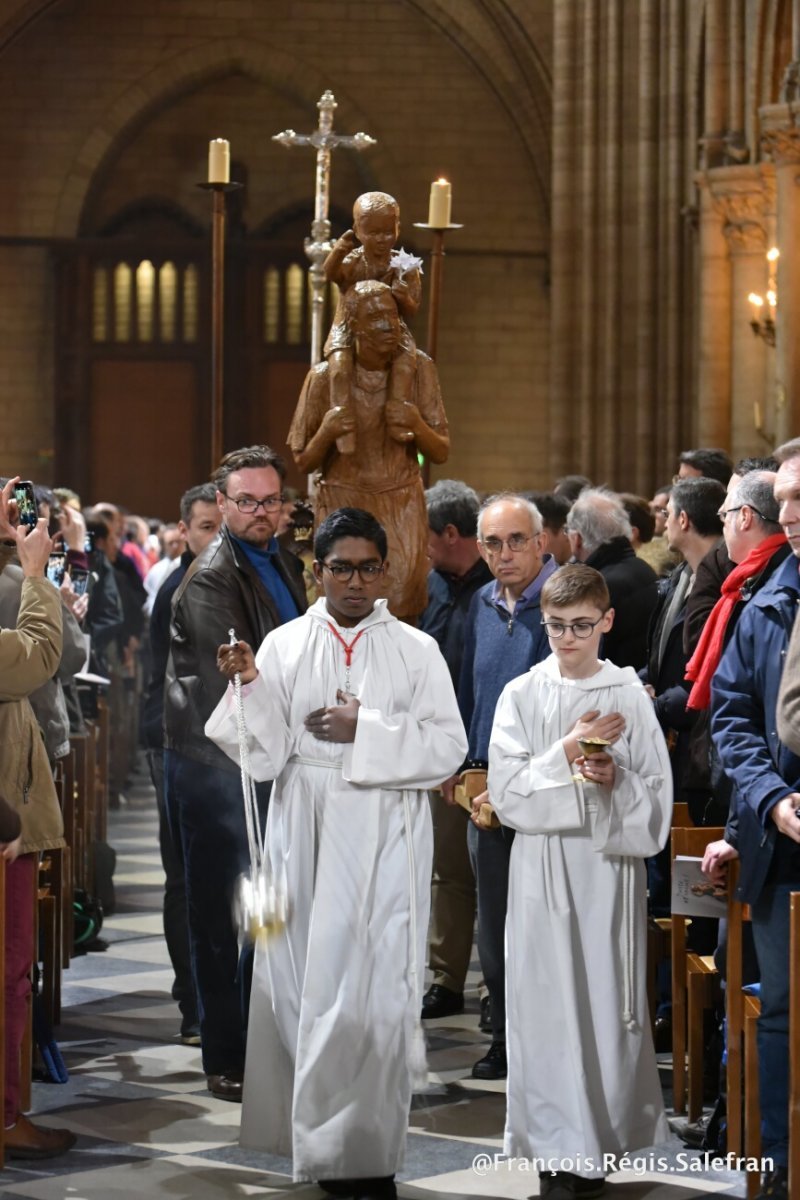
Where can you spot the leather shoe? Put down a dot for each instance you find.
(485, 1023)
(440, 1001)
(227, 1086)
(381, 1188)
(662, 1035)
(493, 1065)
(26, 1140)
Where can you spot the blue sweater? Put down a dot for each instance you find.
(498, 648)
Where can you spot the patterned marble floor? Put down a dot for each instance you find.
(147, 1126)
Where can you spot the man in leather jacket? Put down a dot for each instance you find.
(245, 582)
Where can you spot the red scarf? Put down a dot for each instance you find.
(705, 660)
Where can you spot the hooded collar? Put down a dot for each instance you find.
(380, 615)
(609, 675)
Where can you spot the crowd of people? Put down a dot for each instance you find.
(599, 653)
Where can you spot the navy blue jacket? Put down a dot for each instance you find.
(445, 617)
(497, 648)
(744, 696)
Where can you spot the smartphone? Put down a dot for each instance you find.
(27, 507)
(81, 580)
(56, 567)
(88, 542)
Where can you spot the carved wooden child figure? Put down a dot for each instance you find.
(376, 225)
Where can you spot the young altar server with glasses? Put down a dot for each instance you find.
(354, 716)
(582, 1078)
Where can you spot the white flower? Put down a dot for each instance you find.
(403, 261)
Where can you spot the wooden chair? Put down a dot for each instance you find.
(692, 976)
(659, 929)
(741, 1010)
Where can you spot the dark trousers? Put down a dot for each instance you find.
(176, 920)
(205, 804)
(490, 852)
(770, 918)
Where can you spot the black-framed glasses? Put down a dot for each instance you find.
(344, 572)
(249, 506)
(581, 629)
(516, 543)
(723, 512)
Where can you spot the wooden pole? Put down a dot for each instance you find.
(437, 266)
(217, 321)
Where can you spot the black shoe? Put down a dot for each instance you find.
(662, 1035)
(440, 1001)
(494, 1065)
(775, 1185)
(692, 1133)
(561, 1185)
(381, 1188)
(485, 1023)
(337, 1187)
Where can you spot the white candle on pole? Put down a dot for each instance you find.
(440, 204)
(219, 161)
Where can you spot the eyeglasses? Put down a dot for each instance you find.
(659, 512)
(247, 505)
(516, 543)
(723, 512)
(581, 629)
(344, 572)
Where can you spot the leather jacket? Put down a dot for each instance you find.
(220, 591)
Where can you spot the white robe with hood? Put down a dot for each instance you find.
(582, 1077)
(336, 998)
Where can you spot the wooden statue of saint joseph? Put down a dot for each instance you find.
(382, 473)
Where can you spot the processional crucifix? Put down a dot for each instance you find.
(317, 247)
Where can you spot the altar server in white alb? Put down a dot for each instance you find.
(353, 714)
(582, 1078)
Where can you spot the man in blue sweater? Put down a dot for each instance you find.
(504, 638)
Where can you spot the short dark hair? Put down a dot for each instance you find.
(663, 491)
(787, 450)
(745, 465)
(349, 522)
(202, 492)
(571, 486)
(639, 515)
(248, 456)
(575, 584)
(554, 509)
(98, 529)
(714, 463)
(700, 499)
(451, 502)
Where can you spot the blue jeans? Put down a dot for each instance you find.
(206, 810)
(770, 916)
(490, 853)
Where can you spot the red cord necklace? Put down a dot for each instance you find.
(349, 647)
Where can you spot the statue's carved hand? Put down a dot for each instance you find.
(348, 241)
(338, 421)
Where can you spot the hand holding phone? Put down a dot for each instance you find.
(27, 508)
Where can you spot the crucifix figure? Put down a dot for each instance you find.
(318, 246)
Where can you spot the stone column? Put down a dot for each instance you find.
(780, 125)
(713, 426)
(739, 198)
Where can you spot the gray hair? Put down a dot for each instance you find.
(599, 516)
(451, 502)
(512, 498)
(757, 491)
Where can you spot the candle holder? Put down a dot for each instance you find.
(437, 268)
(219, 192)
